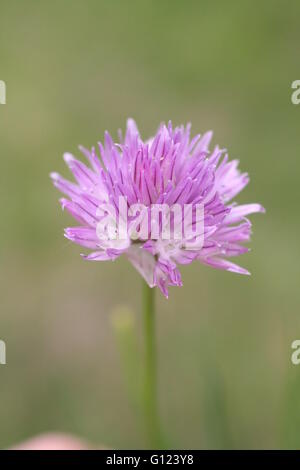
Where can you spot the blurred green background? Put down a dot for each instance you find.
(72, 70)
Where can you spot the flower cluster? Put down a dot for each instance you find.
(168, 169)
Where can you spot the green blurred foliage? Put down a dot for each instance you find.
(73, 69)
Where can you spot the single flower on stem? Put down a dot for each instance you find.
(192, 191)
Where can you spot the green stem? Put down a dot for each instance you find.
(151, 405)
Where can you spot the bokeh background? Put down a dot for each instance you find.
(72, 70)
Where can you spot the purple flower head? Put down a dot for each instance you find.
(162, 203)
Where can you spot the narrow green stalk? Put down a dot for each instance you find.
(150, 391)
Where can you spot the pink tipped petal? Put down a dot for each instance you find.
(226, 265)
(101, 256)
(238, 213)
